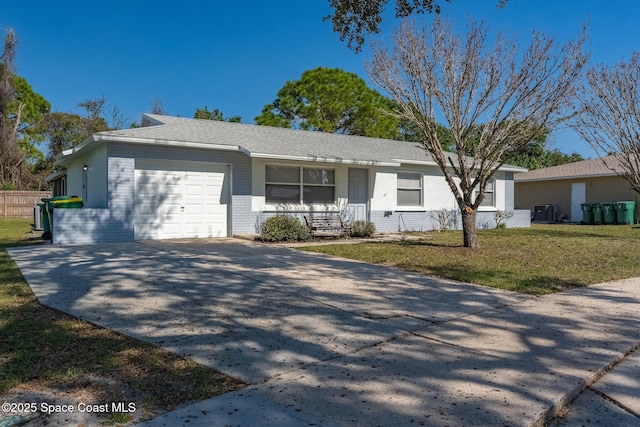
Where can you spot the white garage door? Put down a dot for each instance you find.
(180, 199)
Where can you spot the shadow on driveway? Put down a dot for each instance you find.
(349, 342)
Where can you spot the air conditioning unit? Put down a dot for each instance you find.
(545, 213)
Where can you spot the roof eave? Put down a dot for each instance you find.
(511, 168)
(166, 142)
(558, 178)
(55, 175)
(320, 159)
(67, 156)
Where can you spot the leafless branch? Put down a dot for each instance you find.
(609, 118)
(472, 83)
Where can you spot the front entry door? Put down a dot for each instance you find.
(358, 206)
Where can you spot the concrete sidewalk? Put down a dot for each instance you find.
(327, 341)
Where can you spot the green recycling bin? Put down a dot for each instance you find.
(625, 212)
(587, 214)
(598, 217)
(609, 212)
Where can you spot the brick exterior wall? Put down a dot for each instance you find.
(243, 220)
(400, 221)
(86, 226)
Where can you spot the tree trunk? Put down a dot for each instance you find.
(469, 228)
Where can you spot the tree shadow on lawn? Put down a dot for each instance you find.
(421, 242)
(508, 280)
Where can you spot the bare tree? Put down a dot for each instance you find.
(507, 95)
(14, 171)
(157, 107)
(610, 115)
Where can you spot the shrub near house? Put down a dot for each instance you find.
(362, 229)
(283, 228)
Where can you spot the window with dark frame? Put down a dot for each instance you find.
(289, 184)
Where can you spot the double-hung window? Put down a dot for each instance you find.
(319, 185)
(282, 184)
(489, 195)
(287, 184)
(409, 189)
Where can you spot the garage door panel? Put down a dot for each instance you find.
(151, 189)
(194, 190)
(180, 199)
(194, 210)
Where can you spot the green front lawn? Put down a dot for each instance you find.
(45, 350)
(537, 260)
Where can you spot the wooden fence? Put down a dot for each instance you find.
(20, 203)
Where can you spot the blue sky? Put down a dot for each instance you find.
(235, 56)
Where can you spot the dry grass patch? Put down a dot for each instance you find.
(48, 355)
(538, 260)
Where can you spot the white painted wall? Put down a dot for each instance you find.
(436, 193)
(96, 178)
(384, 195)
(383, 188)
(500, 189)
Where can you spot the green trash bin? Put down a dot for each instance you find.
(598, 217)
(609, 212)
(50, 203)
(587, 214)
(625, 212)
(68, 203)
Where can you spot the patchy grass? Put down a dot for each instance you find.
(539, 260)
(45, 351)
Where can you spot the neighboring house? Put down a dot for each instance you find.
(569, 186)
(177, 177)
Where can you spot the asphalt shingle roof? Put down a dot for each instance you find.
(265, 141)
(585, 168)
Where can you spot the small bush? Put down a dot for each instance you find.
(283, 228)
(501, 216)
(362, 229)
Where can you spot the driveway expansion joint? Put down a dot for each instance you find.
(613, 401)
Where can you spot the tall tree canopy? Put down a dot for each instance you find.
(610, 114)
(354, 19)
(204, 113)
(331, 100)
(66, 130)
(494, 98)
(532, 155)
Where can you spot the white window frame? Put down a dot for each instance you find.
(420, 189)
(301, 184)
(492, 191)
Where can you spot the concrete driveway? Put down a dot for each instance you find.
(335, 342)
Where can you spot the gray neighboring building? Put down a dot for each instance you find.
(177, 178)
